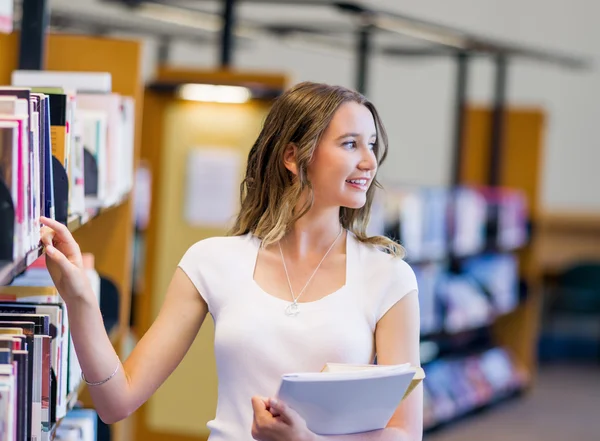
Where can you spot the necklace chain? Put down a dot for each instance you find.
(292, 309)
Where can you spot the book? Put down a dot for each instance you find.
(9, 154)
(34, 374)
(349, 398)
(42, 358)
(23, 386)
(58, 394)
(78, 425)
(90, 82)
(14, 110)
(115, 152)
(21, 110)
(8, 379)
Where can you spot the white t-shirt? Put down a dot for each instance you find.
(256, 342)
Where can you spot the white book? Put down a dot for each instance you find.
(76, 164)
(411, 223)
(345, 399)
(8, 386)
(89, 82)
(128, 144)
(6, 407)
(37, 411)
(17, 109)
(35, 175)
(95, 138)
(111, 105)
(64, 362)
(74, 367)
(9, 144)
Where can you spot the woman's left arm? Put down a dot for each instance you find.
(397, 339)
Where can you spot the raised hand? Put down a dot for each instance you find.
(64, 260)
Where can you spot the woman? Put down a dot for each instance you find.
(297, 284)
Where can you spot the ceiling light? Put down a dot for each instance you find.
(214, 93)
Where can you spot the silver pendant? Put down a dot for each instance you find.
(291, 310)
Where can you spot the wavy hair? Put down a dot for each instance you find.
(270, 193)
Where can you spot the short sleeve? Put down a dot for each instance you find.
(402, 281)
(194, 263)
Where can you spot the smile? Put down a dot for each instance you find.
(360, 184)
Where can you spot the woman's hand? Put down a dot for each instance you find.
(275, 421)
(64, 260)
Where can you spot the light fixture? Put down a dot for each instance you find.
(195, 19)
(406, 27)
(214, 93)
(167, 14)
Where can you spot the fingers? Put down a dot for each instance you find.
(274, 412)
(46, 236)
(57, 257)
(279, 408)
(61, 231)
(259, 405)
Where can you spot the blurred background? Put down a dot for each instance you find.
(490, 184)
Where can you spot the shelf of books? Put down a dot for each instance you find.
(462, 244)
(68, 143)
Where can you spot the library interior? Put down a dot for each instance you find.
(130, 123)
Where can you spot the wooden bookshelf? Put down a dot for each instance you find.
(108, 234)
(521, 165)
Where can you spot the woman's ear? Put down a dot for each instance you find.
(289, 158)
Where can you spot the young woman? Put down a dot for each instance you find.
(297, 284)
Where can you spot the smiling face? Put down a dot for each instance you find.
(344, 163)
(319, 147)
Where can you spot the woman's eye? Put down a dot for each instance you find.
(372, 145)
(350, 144)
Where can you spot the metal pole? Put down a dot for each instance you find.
(363, 48)
(462, 64)
(498, 122)
(32, 47)
(227, 33)
(164, 50)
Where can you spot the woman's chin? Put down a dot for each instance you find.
(354, 203)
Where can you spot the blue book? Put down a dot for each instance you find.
(48, 174)
(80, 425)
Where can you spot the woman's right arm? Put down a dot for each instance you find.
(156, 355)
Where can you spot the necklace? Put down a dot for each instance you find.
(292, 309)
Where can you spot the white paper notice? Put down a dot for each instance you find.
(212, 187)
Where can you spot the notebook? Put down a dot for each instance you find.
(345, 398)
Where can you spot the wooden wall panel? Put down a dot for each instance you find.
(522, 158)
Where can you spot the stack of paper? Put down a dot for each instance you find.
(344, 399)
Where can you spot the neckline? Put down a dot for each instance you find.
(256, 242)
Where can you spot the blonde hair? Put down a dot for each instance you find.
(270, 193)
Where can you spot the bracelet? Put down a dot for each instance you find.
(103, 381)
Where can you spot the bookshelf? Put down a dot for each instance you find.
(105, 232)
(461, 242)
(521, 167)
(454, 353)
